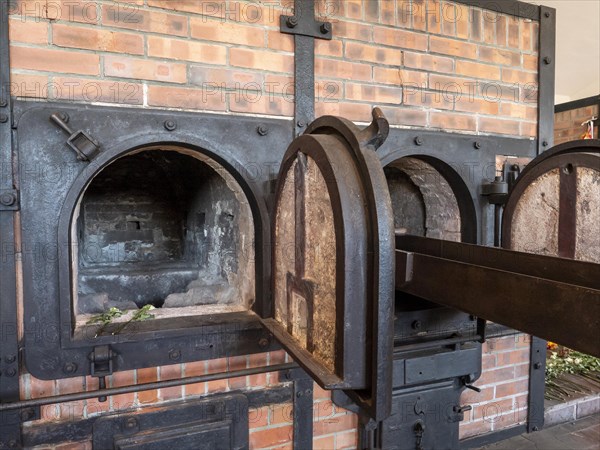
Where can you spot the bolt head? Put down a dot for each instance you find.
(477, 145)
(131, 423)
(301, 124)
(545, 143)
(8, 199)
(263, 342)
(174, 355)
(11, 372)
(3, 118)
(292, 21)
(170, 125)
(299, 394)
(419, 140)
(10, 359)
(536, 428)
(325, 28)
(547, 60)
(416, 325)
(546, 14)
(70, 367)
(537, 366)
(262, 130)
(3, 103)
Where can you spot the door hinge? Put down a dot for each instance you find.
(101, 365)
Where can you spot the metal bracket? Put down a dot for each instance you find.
(101, 365)
(303, 22)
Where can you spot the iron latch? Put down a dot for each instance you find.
(80, 142)
(101, 365)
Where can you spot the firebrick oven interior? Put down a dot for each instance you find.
(167, 227)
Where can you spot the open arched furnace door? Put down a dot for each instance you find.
(333, 260)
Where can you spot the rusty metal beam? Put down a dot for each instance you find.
(540, 295)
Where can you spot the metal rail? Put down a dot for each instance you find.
(144, 387)
(553, 298)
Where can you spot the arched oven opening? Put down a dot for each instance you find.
(427, 203)
(162, 226)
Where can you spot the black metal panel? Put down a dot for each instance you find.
(537, 384)
(76, 431)
(546, 77)
(511, 7)
(52, 177)
(303, 413)
(216, 422)
(576, 104)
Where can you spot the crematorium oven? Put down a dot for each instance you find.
(189, 273)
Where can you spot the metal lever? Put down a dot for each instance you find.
(473, 388)
(80, 142)
(419, 429)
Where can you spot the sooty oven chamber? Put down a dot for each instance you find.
(170, 212)
(167, 227)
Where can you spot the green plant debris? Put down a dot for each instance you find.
(574, 363)
(140, 315)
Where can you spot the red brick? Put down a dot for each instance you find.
(331, 68)
(28, 85)
(512, 388)
(477, 70)
(519, 76)
(28, 31)
(277, 40)
(237, 363)
(513, 32)
(501, 26)
(489, 27)
(258, 417)
(194, 369)
(271, 437)
(467, 103)
(350, 8)
(347, 440)
(496, 376)
(282, 414)
(41, 388)
(387, 12)
(451, 121)
(82, 11)
(476, 32)
(215, 366)
(261, 60)
(530, 62)
(375, 94)
(229, 32)
(511, 127)
(525, 35)
(462, 21)
(97, 40)
(213, 8)
(404, 13)
(452, 47)
(171, 372)
(449, 18)
(123, 401)
(428, 62)
(419, 14)
(147, 375)
(50, 60)
(499, 56)
(352, 30)
(180, 49)
(519, 111)
(371, 53)
(434, 17)
(95, 90)
(324, 443)
(352, 111)
(529, 129)
(399, 76)
(474, 428)
(405, 116)
(70, 385)
(124, 67)
(442, 99)
(328, 48)
(400, 38)
(335, 424)
(143, 20)
(28, 8)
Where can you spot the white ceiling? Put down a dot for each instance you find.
(577, 48)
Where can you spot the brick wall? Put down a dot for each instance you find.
(427, 63)
(567, 124)
(502, 402)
